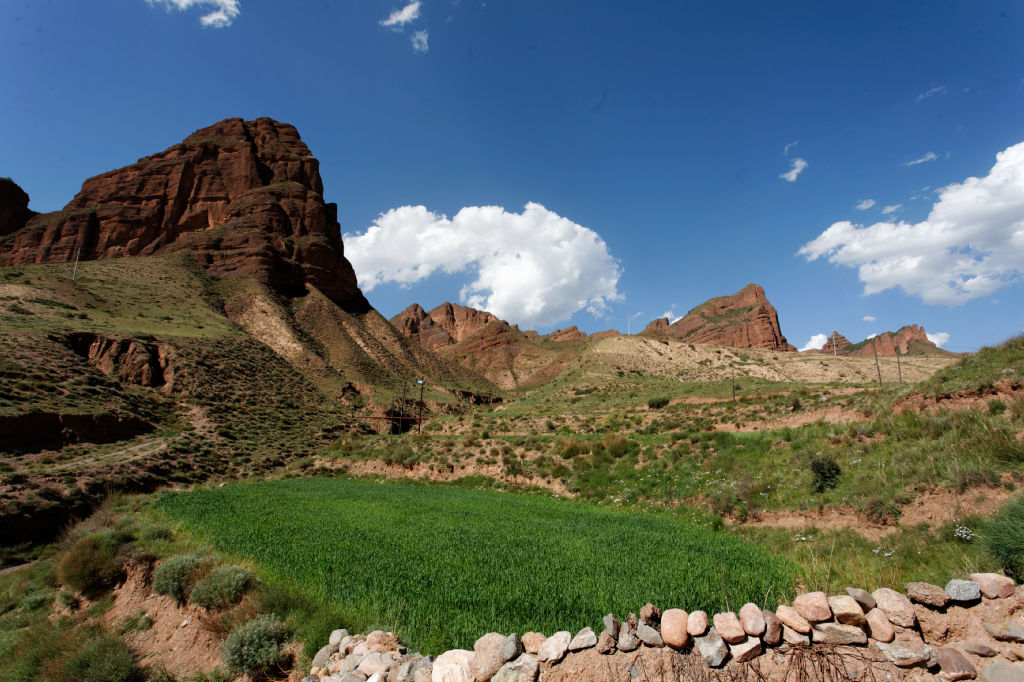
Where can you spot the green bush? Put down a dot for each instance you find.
(255, 647)
(826, 473)
(104, 658)
(996, 407)
(1004, 537)
(176, 575)
(91, 565)
(222, 587)
(657, 403)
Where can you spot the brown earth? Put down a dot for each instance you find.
(933, 507)
(745, 319)
(242, 197)
(1007, 390)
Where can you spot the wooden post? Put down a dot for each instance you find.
(74, 275)
(419, 421)
(877, 367)
(899, 367)
(734, 385)
(835, 353)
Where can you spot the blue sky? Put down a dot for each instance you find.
(576, 162)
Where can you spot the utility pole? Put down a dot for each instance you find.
(877, 367)
(734, 384)
(419, 421)
(402, 413)
(835, 353)
(898, 367)
(74, 275)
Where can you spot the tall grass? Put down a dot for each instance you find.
(445, 565)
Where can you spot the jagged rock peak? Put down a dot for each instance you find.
(745, 319)
(242, 197)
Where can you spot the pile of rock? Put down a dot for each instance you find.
(968, 626)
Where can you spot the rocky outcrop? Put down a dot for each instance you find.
(14, 212)
(417, 324)
(744, 320)
(445, 325)
(130, 361)
(836, 344)
(908, 340)
(459, 321)
(568, 334)
(657, 325)
(242, 197)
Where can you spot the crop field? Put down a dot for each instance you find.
(442, 566)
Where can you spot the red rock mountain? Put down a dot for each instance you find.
(836, 344)
(657, 325)
(909, 340)
(243, 197)
(744, 320)
(568, 334)
(445, 325)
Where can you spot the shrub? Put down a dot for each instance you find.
(826, 473)
(175, 576)
(255, 647)
(104, 658)
(657, 403)
(222, 587)
(91, 565)
(1004, 537)
(996, 407)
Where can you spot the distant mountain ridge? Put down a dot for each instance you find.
(910, 339)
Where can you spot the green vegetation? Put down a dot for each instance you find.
(980, 371)
(223, 586)
(176, 575)
(1004, 537)
(442, 565)
(255, 647)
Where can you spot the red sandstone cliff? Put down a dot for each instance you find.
(445, 325)
(744, 320)
(243, 197)
(909, 340)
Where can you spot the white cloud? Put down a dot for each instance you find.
(930, 156)
(970, 245)
(403, 16)
(865, 204)
(789, 146)
(419, 41)
(815, 342)
(869, 318)
(938, 338)
(221, 14)
(891, 209)
(871, 336)
(932, 92)
(796, 169)
(534, 268)
(671, 315)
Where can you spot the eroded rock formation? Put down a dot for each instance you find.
(744, 320)
(243, 197)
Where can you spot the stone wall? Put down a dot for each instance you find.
(969, 629)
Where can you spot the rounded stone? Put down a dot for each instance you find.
(896, 607)
(673, 628)
(729, 627)
(697, 623)
(790, 618)
(751, 620)
(963, 591)
(813, 606)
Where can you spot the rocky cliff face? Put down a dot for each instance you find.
(657, 325)
(568, 334)
(445, 325)
(242, 197)
(417, 324)
(908, 340)
(744, 320)
(836, 344)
